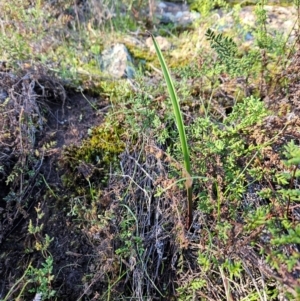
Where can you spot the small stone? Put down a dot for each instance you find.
(117, 62)
(163, 43)
(176, 13)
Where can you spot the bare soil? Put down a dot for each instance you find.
(65, 117)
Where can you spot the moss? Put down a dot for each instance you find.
(104, 141)
(270, 2)
(142, 56)
(179, 62)
(174, 59)
(195, 5)
(93, 158)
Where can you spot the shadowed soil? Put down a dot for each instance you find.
(65, 121)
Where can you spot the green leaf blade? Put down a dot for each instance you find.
(180, 127)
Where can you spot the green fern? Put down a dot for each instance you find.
(228, 55)
(224, 46)
(226, 50)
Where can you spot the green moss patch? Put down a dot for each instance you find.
(94, 156)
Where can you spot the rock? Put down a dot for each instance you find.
(279, 19)
(163, 43)
(117, 62)
(176, 13)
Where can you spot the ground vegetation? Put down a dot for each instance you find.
(97, 201)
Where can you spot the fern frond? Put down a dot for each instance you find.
(224, 46)
(227, 51)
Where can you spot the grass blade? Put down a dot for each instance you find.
(180, 127)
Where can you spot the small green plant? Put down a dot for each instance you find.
(41, 279)
(206, 6)
(188, 292)
(217, 149)
(230, 60)
(180, 126)
(291, 174)
(41, 244)
(233, 267)
(36, 280)
(283, 230)
(129, 236)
